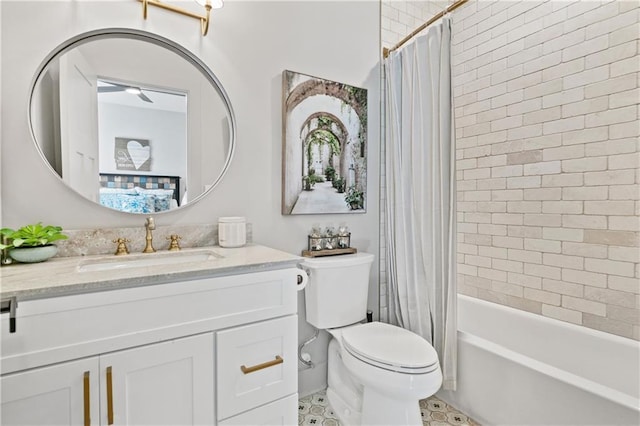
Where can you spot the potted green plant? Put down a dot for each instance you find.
(339, 184)
(330, 173)
(32, 243)
(310, 180)
(307, 183)
(354, 198)
(316, 179)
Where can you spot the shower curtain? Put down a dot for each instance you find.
(420, 193)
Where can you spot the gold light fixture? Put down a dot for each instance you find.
(204, 19)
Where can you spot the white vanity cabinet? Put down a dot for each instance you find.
(218, 350)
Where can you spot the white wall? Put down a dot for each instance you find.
(248, 46)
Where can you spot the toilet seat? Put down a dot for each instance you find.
(391, 348)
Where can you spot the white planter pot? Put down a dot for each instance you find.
(33, 254)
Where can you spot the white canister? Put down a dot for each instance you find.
(232, 231)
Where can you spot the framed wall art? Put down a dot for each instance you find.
(133, 154)
(324, 146)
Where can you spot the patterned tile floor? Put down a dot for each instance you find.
(314, 410)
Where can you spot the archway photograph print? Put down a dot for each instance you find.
(324, 146)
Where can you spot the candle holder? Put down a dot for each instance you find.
(328, 245)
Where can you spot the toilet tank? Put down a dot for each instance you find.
(337, 291)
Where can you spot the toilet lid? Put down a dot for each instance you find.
(390, 347)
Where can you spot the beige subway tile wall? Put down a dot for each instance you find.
(547, 125)
(546, 100)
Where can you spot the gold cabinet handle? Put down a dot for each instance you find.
(247, 370)
(109, 396)
(87, 400)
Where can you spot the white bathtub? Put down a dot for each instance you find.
(517, 368)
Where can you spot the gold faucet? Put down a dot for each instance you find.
(150, 225)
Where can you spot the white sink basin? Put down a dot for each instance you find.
(150, 259)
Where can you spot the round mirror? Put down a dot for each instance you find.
(131, 120)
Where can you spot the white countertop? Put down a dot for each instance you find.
(62, 276)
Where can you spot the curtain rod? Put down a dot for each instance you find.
(454, 6)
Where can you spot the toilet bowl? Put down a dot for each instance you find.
(382, 373)
(376, 372)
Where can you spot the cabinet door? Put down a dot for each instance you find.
(62, 394)
(169, 383)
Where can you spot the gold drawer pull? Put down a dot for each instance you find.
(247, 370)
(109, 396)
(87, 400)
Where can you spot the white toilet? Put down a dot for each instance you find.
(377, 372)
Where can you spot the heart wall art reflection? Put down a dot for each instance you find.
(133, 154)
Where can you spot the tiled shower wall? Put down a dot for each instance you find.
(547, 126)
(400, 18)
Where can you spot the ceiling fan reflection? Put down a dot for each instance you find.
(114, 87)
